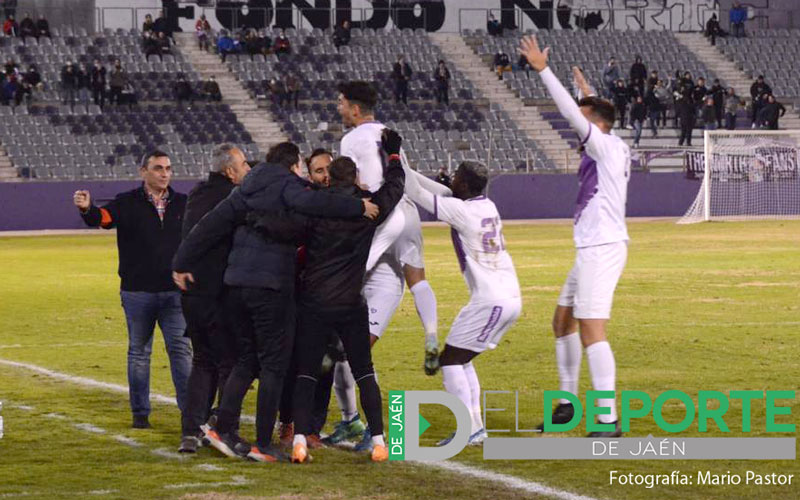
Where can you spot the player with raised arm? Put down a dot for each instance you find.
(601, 239)
(495, 301)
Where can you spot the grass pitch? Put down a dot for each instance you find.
(702, 307)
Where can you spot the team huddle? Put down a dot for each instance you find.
(315, 269)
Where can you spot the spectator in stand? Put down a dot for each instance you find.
(265, 42)
(161, 24)
(27, 28)
(709, 114)
(69, 83)
(42, 27)
(401, 74)
(83, 79)
(31, 82)
(211, 89)
(524, 65)
(653, 105)
(292, 89)
(441, 76)
(183, 90)
(117, 82)
(501, 63)
(224, 45)
(278, 90)
(685, 110)
(638, 114)
(238, 44)
(651, 82)
(621, 100)
(664, 97)
(757, 92)
(699, 93)
(713, 29)
(11, 67)
(770, 112)
(11, 90)
(150, 45)
(686, 80)
(737, 16)
(732, 104)
(10, 27)
(493, 26)
(717, 91)
(203, 31)
(341, 35)
(98, 83)
(638, 74)
(148, 24)
(282, 44)
(251, 43)
(633, 90)
(611, 76)
(164, 45)
(442, 177)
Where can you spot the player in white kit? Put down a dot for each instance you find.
(601, 239)
(396, 253)
(495, 301)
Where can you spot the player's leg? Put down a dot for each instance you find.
(179, 349)
(140, 316)
(456, 381)
(600, 268)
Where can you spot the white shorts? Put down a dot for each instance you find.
(408, 248)
(386, 235)
(480, 326)
(590, 285)
(383, 291)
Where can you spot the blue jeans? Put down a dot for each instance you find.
(142, 311)
(637, 131)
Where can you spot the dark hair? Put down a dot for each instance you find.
(474, 175)
(342, 172)
(359, 92)
(153, 153)
(284, 154)
(318, 152)
(600, 108)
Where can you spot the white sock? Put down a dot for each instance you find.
(456, 383)
(299, 438)
(475, 393)
(425, 301)
(344, 386)
(378, 440)
(568, 359)
(604, 371)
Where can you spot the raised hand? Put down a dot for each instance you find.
(529, 48)
(391, 141)
(581, 82)
(82, 200)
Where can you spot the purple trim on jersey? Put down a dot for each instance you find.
(587, 135)
(435, 207)
(481, 197)
(587, 180)
(494, 318)
(462, 257)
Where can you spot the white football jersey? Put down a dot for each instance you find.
(363, 146)
(603, 176)
(477, 233)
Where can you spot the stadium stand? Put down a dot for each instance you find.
(469, 128)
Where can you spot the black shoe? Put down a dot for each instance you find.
(141, 422)
(561, 415)
(617, 432)
(270, 454)
(229, 444)
(189, 444)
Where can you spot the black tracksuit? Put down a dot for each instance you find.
(261, 275)
(213, 345)
(330, 301)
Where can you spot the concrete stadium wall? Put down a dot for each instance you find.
(48, 205)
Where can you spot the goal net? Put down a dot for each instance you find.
(747, 175)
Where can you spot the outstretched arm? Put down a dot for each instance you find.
(566, 105)
(424, 182)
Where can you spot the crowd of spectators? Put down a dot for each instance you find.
(28, 28)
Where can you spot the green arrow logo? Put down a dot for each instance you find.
(423, 424)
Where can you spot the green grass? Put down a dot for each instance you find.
(710, 306)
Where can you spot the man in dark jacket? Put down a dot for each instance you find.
(699, 94)
(331, 303)
(770, 113)
(685, 110)
(441, 75)
(148, 222)
(638, 74)
(401, 74)
(717, 91)
(758, 90)
(27, 28)
(69, 83)
(98, 83)
(341, 35)
(261, 277)
(213, 346)
(638, 114)
(621, 101)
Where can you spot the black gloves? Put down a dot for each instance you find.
(391, 142)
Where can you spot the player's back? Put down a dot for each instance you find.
(480, 246)
(363, 146)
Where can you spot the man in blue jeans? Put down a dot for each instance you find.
(148, 220)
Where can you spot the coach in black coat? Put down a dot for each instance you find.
(261, 277)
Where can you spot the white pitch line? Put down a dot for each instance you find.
(506, 480)
(55, 416)
(235, 481)
(209, 467)
(163, 452)
(90, 428)
(127, 440)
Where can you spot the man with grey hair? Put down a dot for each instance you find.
(203, 303)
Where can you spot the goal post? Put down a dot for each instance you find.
(747, 175)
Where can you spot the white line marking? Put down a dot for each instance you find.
(73, 344)
(126, 440)
(209, 467)
(235, 481)
(14, 495)
(101, 492)
(22, 407)
(55, 416)
(90, 428)
(503, 479)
